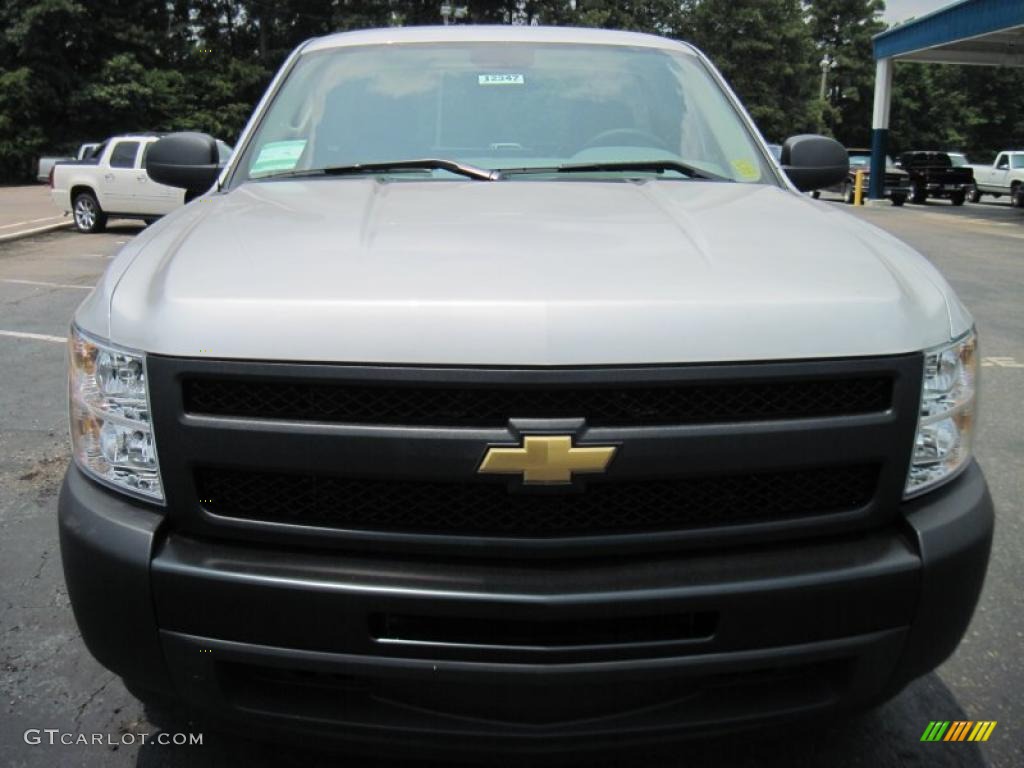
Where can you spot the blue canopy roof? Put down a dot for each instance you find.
(988, 32)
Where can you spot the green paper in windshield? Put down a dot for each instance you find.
(278, 156)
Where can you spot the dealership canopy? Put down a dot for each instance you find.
(981, 32)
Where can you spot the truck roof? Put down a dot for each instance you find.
(495, 33)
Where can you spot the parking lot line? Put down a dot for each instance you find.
(45, 284)
(976, 223)
(1000, 362)
(18, 234)
(35, 336)
(29, 221)
(960, 219)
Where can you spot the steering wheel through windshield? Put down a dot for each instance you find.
(625, 137)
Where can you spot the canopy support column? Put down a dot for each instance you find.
(880, 127)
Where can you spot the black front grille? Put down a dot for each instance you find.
(479, 508)
(484, 405)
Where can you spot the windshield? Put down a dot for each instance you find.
(224, 152)
(507, 106)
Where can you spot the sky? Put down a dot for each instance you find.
(901, 10)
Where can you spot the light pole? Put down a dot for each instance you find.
(827, 63)
(450, 12)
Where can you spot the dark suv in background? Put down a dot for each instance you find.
(897, 183)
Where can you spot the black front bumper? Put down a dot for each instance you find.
(463, 656)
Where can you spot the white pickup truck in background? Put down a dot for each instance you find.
(1004, 177)
(112, 183)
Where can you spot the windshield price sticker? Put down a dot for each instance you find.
(501, 80)
(278, 156)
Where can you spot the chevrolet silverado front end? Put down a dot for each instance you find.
(505, 395)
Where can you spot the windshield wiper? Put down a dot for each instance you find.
(429, 163)
(657, 166)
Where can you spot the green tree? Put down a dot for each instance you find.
(978, 110)
(20, 137)
(764, 49)
(74, 70)
(125, 96)
(659, 17)
(55, 52)
(992, 118)
(927, 109)
(40, 45)
(842, 31)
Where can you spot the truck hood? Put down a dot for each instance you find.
(568, 272)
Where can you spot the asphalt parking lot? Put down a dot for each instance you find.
(48, 679)
(28, 210)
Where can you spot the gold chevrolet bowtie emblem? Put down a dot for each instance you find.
(546, 460)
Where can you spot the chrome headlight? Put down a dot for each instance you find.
(111, 433)
(945, 426)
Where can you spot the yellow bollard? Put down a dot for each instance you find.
(858, 188)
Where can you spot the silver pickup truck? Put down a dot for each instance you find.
(45, 165)
(503, 396)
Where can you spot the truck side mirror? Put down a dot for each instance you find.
(813, 162)
(187, 160)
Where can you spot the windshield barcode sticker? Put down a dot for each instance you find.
(501, 80)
